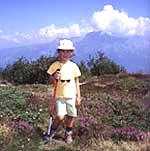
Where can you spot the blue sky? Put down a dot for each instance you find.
(24, 21)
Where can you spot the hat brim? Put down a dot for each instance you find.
(65, 48)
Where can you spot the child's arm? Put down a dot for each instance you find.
(54, 76)
(78, 96)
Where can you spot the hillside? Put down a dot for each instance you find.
(114, 115)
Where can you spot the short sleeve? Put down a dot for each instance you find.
(52, 69)
(77, 71)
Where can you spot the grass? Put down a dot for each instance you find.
(113, 116)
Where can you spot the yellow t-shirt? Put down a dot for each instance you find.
(68, 71)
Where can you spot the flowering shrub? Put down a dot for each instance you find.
(130, 133)
(119, 111)
(22, 127)
(104, 115)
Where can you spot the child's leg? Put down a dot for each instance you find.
(69, 125)
(71, 114)
(55, 125)
(69, 121)
(60, 112)
(57, 122)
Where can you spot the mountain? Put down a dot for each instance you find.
(30, 52)
(4, 43)
(130, 52)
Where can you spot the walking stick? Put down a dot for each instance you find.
(47, 137)
(52, 108)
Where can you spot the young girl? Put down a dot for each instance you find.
(68, 91)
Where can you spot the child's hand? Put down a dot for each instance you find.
(57, 75)
(78, 100)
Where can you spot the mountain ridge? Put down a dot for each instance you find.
(130, 52)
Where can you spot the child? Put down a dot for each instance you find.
(68, 91)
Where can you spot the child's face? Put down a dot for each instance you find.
(65, 54)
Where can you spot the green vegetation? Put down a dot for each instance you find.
(114, 115)
(102, 65)
(23, 71)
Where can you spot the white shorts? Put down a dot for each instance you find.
(65, 106)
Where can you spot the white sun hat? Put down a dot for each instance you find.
(65, 44)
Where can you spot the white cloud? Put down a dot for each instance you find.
(52, 31)
(16, 38)
(5, 37)
(114, 21)
(108, 20)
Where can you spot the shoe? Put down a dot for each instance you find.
(69, 137)
(52, 133)
(48, 138)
